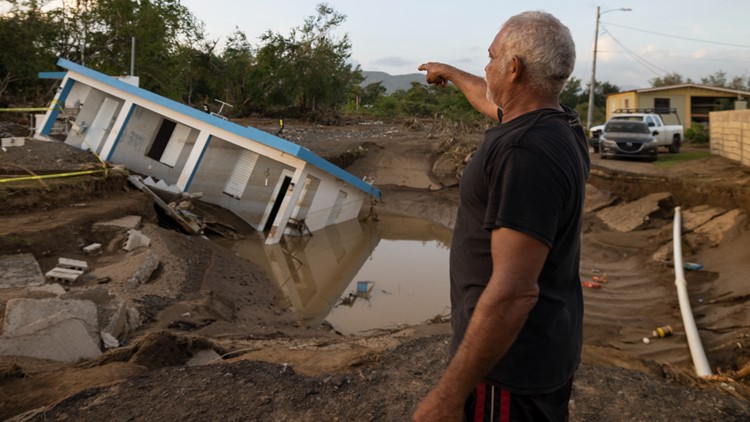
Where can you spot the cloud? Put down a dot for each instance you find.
(699, 54)
(392, 61)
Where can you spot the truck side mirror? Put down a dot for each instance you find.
(656, 132)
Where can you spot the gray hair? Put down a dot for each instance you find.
(544, 45)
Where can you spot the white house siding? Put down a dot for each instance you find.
(136, 140)
(215, 170)
(92, 103)
(325, 197)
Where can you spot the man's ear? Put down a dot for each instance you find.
(516, 68)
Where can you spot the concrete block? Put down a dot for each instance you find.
(14, 141)
(135, 240)
(66, 341)
(20, 270)
(93, 249)
(72, 264)
(63, 275)
(28, 316)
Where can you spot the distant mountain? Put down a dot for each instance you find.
(392, 82)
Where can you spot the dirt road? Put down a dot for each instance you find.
(204, 298)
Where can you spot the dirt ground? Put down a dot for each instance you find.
(272, 368)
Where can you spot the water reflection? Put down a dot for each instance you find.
(401, 265)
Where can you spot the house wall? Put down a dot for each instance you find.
(730, 135)
(91, 104)
(320, 208)
(214, 172)
(136, 140)
(677, 101)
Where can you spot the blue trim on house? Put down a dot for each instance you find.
(51, 75)
(122, 131)
(241, 131)
(56, 108)
(197, 164)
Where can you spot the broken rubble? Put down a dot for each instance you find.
(634, 215)
(20, 270)
(136, 240)
(128, 222)
(67, 341)
(29, 316)
(142, 275)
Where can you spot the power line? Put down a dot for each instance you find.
(680, 37)
(643, 62)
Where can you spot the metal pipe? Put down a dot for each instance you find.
(694, 341)
(132, 56)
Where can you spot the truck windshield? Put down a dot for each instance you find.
(625, 126)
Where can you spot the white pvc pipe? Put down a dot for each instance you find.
(694, 341)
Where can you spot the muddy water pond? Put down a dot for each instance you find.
(359, 276)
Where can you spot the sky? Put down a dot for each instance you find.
(695, 38)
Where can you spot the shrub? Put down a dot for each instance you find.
(697, 134)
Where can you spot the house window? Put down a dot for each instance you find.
(174, 146)
(237, 182)
(168, 143)
(161, 139)
(661, 105)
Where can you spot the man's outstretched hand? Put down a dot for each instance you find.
(435, 73)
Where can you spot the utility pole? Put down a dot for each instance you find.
(592, 86)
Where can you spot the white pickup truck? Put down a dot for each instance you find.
(669, 136)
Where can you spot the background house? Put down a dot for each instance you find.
(693, 102)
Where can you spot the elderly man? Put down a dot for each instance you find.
(517, 306)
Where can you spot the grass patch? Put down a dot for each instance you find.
(669, 160)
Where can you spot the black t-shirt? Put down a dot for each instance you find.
(528, 175)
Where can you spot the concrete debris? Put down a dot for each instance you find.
(67, 341)
(14, 141)
(63, 275)
(93, 249)
(597, 199)
(20, 270)
(29, 316)
(722, 227)
(135, 240)
(187, 221)
(161, 185)
(109, 341)
(204, 357)
(143, 274)
(128, 222)
(637, 214)
(697, 216)
(54, 288)
(72, 264)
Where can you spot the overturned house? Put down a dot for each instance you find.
(269, 182)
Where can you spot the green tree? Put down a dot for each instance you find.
(718, 79)
(99, 35)
(571, 94)
(669, 79)
(307, 69)
(28, 46)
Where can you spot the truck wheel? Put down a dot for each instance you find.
(675, 147)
